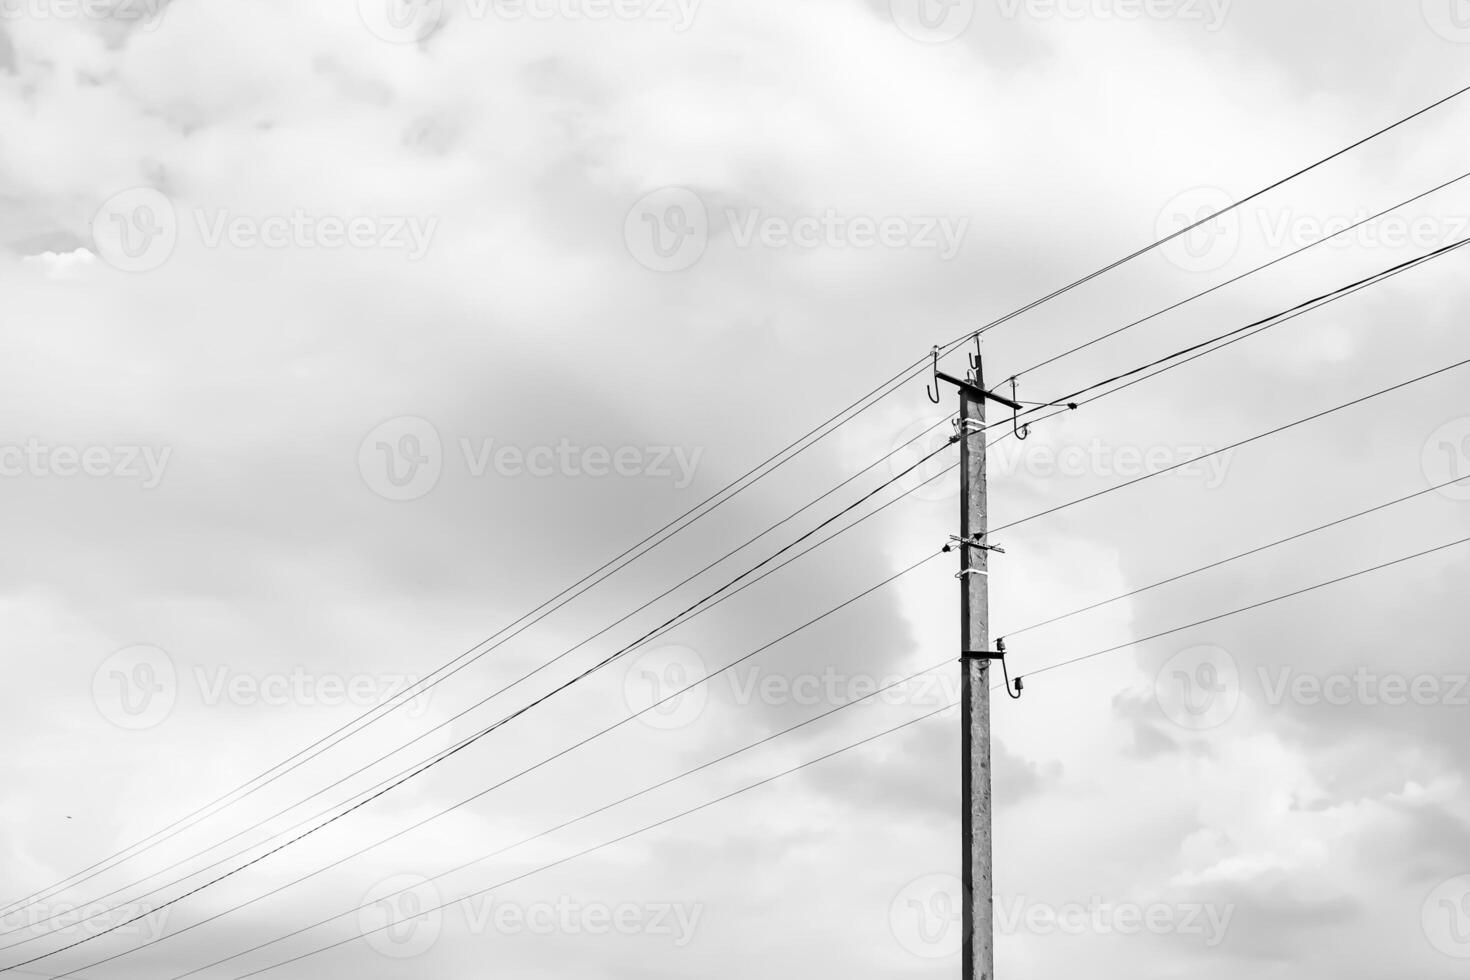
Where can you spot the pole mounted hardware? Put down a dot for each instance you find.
(999, 653)
(972, 542)
(1022, 432)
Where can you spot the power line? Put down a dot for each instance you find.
(1237, 445)
(1233, 558)
(499, 851)
(377, 712)
(617, 840)
(1253, 606)
(1287, 314)
(1218, 214)
(812, 762)
(897, 381)
(433, 756)
(498, 724)
(1246, 275)
(768, 530)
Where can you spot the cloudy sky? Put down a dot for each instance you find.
(338, 336)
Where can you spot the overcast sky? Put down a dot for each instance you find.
(339, 335)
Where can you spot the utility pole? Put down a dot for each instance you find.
(978, 958)
(978, 899)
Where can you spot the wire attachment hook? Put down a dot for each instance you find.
(1021, 431)
(933, 390)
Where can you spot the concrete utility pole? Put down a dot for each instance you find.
(978, 958)
(978, 900)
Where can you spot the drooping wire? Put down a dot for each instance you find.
(1244, 442)
(1243, 276)
(379, 711)
(96, 934)
(499, 851)
(1237, 557)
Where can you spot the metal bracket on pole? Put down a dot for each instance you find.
(977, 391)
(973, 542)
(999, 653)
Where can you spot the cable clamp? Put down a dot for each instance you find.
(961, 426)
(971, 571)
